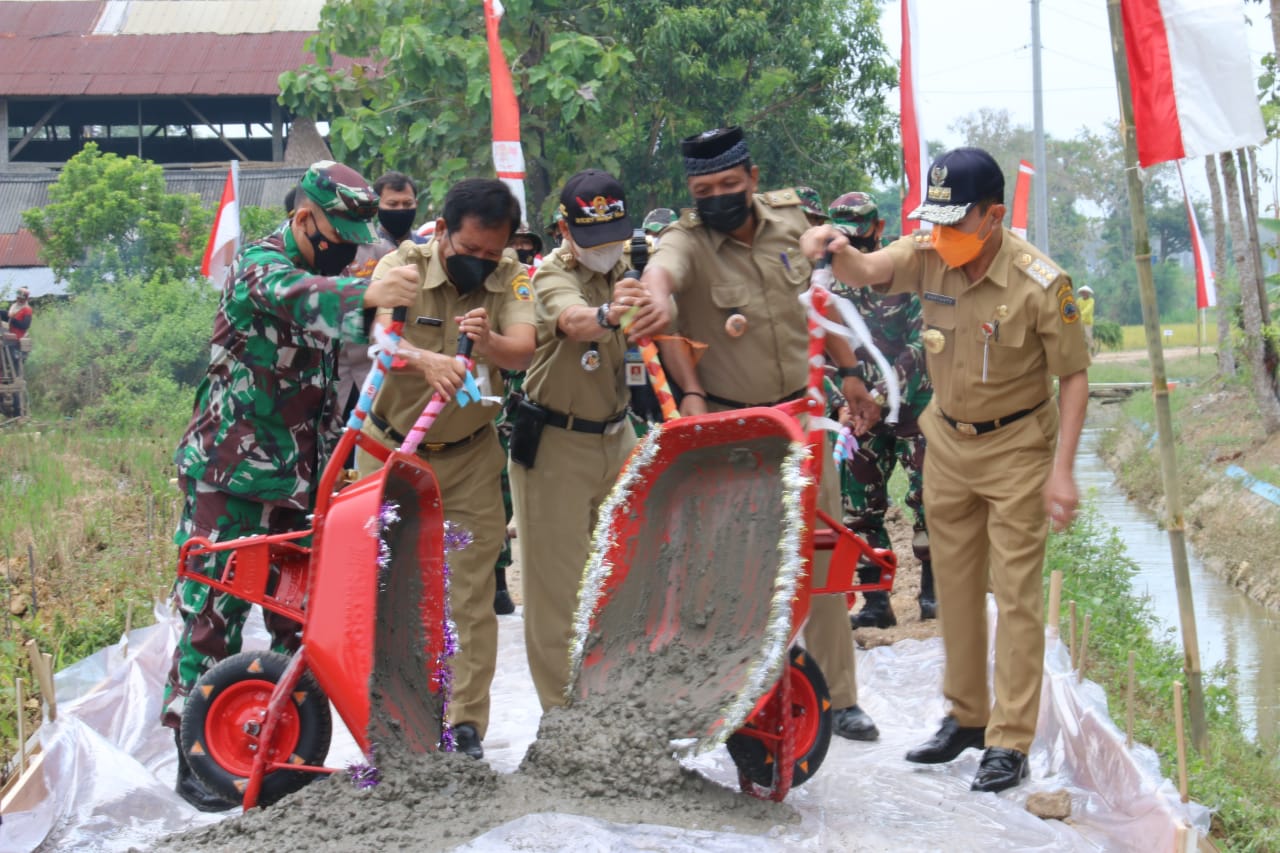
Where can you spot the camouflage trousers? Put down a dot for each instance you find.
(864, 483)
(504, 556)
(213, 621)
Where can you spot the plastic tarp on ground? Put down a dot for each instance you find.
(109, 768)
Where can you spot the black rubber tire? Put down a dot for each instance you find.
(241, 674)
(751, 756)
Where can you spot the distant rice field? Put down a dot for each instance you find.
(1183, 335)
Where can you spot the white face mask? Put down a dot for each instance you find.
(600, 259)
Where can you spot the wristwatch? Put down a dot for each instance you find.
(855, 372)
(602, 317)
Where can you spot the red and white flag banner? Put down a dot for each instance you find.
(508, 156)
(224, 240)
(1191, 77)
(915, 149)
(1022, 199)
(1206, 285)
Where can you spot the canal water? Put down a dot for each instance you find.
(1233, 629)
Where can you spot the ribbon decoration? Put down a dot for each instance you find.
(648, 349)
(386, 342)
(854, 331)
(469, 393)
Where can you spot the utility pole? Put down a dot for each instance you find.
(1040, 181)
(1175, 523)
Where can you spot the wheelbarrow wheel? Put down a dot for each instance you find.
(225, 713)
(810, 720)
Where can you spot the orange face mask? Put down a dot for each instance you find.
(956, 247)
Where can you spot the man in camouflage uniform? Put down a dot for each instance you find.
(895, 324)
(266, 416)
(735, 271)
(811, 204)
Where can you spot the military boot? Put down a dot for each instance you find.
(502, 603)
(192, 789)
(927, 600)
(876, 610)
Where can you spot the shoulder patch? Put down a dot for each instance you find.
(1039, 270)
(521, 288)
(922, 240)
(781, 198)
(689, 216)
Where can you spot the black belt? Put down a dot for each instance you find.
(988, 426)
(575, 424)
(426, 446)
(734, 404)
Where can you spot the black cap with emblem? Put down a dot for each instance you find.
(714, 151)
(957, 180)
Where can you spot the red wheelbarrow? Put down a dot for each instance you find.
(699, 584)
(367, 582)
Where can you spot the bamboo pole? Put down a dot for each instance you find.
(22, 727)
(1128, 704)
(1084, 649)
(1160, 387)
(1055, 601)
(1182, 741)
(42, 669)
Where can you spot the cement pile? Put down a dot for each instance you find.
(613, 763)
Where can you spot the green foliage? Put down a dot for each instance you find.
(258, 222)
(605, 84)
(1108, 334)
(110, 216)
(128, 352)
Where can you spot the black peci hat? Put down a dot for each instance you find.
(714, 151)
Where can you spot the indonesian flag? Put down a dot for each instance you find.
(1206, 289)
(224, 242)
(508, 157)
(1021, 199)
(1191, 77)
(915, 150)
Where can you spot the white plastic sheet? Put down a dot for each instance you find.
(109, 769)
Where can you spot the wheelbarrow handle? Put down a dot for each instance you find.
(437, 403)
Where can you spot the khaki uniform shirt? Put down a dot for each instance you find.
(1039, 333)
(508, 297)
(556, 378)
(714, 276)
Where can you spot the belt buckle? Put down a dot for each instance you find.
(434, 446)
(966, 429)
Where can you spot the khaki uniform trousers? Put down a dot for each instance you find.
(987, 526)
(557, 502)
(828, 635)
(471, 491)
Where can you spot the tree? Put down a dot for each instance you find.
(604, 84)
(108, 216)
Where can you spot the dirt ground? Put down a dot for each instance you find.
(1131, 356)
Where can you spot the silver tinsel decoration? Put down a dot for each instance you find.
(763, 673)
(598, 568)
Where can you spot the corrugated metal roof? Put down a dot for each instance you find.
(190, 64)
(31, 20)
(21, 191)
(226, 17)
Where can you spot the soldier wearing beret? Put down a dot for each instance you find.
(1001, 321)
(734, 268)
(266, 416)
(571, 435)
(470, 286)
(895, 324)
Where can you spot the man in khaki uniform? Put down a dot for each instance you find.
(468, 287)
(577, 386)
(736, 272)
(1001, 322)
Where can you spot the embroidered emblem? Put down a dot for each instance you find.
(938, 177)
(1070, 313)
(520, 287)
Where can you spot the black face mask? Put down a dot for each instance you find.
(467, 272)
(864, 244)
(331, 258)
(724, 213)
(526, 256)
(397, 222)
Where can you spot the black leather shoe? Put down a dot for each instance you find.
(1000, 769)
(195, 792)
(854, 724)
(950, 740)
(502, 603)
(466, 739)
(876, 612)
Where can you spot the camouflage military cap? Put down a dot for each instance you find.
(348, 202)
(658, 218)
(811, 202)
(856, 213)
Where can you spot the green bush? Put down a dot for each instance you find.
(127, 353)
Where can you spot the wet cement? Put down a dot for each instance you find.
(610, 761)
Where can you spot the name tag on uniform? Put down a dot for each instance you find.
(940, 298)
(636, 376)
(428, 321)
